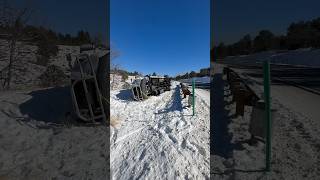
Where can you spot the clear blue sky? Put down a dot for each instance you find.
(162, 36)
(232, 19)
(68, 16)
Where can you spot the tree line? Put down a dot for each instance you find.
(303, 34)
(15, 27)
(203, 72)
(37, 34)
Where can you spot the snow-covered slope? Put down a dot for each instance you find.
(27, 70)
(159, 138)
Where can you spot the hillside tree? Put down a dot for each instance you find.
(13, 21)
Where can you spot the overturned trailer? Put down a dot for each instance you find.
(89, 84)
(150, 86)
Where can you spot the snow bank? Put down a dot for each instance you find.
(205, 79)
(305, 57)
(159, 138)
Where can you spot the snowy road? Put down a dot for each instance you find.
(159, 138)
(299, 100)
(294, 97)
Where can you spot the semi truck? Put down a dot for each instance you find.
(150, 86)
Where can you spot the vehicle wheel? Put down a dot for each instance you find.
(143, 86)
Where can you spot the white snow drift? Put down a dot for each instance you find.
(159, 138)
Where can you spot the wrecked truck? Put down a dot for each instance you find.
(147, 86)
(89, 84)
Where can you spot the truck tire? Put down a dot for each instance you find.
(143, 86)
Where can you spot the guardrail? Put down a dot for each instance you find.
(243, 94)
(261, 123)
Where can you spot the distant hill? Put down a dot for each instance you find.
(303, 34)
(35, 34)
(202, 73)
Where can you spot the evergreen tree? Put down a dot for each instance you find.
(264, 41)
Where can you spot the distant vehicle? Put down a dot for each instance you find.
(150, 86)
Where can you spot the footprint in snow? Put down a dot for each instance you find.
(142, 155)
(173, 139)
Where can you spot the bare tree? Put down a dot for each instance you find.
(115, 66)
(12, 21)
(113, 55)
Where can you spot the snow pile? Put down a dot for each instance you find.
(116, 81)
(131, 79)
(159, 138)
(200, 82)
(205, 79)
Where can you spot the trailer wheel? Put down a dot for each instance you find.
(144, 87)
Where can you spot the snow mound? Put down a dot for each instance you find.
(304, 57)
(159, 138)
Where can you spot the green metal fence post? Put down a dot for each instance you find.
(193, 97)
(266, 75)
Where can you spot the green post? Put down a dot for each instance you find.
(193, 97)
(266, 75)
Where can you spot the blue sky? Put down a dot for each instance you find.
(232, 19)
(68, 16)
(162, 36)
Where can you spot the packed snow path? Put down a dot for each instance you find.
(159, 138)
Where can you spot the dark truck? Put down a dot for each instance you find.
(150, 86)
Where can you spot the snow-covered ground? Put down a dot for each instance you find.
(159, 138)
(27, 70)
(295, 140)
(26, 61)
(35, 143)
(205, 79)
(305, 57)
(200, 82)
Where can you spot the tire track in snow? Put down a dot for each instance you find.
(127, 135)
